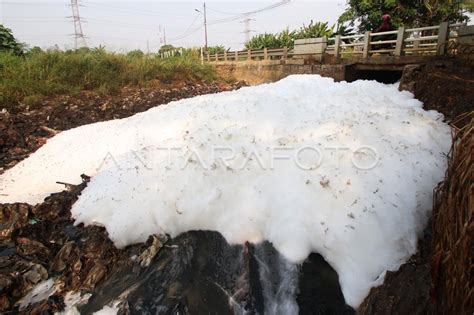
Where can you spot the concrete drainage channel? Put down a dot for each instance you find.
(382, 76)
(258, 72)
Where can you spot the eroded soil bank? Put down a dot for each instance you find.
(446, 85)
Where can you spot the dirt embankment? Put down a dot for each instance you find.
(39, 242)
(445, 85)
(423, 285)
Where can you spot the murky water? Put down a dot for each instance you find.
(199, 273)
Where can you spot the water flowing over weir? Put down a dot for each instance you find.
(199, 273)
(279, 280)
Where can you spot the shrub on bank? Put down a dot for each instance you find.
(41, 73)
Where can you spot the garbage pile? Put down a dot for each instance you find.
(41, 242)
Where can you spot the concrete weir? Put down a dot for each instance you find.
(257, 72)
(386, 69)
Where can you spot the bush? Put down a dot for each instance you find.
(41, 73)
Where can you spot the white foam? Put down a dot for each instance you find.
(364, 222)
(107, 310)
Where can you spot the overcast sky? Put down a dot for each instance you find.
(124, 25)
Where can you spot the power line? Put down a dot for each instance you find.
(187, 34)
(42, 36)
(246, 14)
(235, 17)
(223, 12)
(246, 17)
(120, 24)
(32, 19)
(88, 21)
(92, 36)
(30, 3)
(187, 29)
(192, 28)
(110, 7)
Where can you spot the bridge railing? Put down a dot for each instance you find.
(413, 41)
(428, 40)
(263, 54)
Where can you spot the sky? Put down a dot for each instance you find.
(124, 25)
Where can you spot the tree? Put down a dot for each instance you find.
(8, 42)
(218, 49)
(166, 48)
(266, 40)
(411, 13)
(286, 37)
(137, 53)
(344, 30)
(314, 30)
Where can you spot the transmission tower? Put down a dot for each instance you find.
(162, 34)
(79, 38)
(247, 29)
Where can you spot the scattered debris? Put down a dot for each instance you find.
(324, 183)
(148, 254)
(77, 257)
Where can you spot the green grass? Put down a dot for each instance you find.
(38, 74)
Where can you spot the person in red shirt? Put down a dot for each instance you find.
(386, 26)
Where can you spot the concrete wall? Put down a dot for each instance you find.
(257, 72)
(382, 68)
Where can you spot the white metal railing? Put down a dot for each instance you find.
(412, 41)
(171, 53)
(263, 54)
(404, 41)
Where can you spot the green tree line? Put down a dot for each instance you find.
(366, 15)
(286, 37)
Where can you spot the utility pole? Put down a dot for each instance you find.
(205, 24)
(79, 38)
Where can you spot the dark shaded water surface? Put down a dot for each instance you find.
(200, 273)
